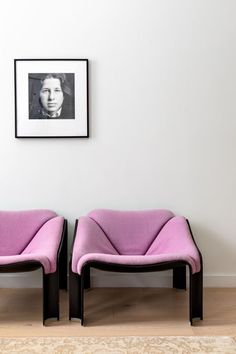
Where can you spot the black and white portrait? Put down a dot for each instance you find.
(51, 96)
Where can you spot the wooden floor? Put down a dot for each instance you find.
(118, 312)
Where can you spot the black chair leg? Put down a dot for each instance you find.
(74, 295)
(196, 296)
(50, 296)
(179, 277)
(83, 277)
(87, 277)
(63, 260)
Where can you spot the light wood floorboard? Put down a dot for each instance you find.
(119, 312)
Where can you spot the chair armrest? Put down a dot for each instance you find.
(176, 238)
(89, 238)
(47, 241)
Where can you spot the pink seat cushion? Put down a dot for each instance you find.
(162, 238)
(42, 245)
(17, 228)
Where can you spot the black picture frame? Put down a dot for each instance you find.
(51, 98)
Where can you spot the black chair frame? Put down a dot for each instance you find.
(78, 283)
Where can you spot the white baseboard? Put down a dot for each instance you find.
(21, 280)
(109, 279)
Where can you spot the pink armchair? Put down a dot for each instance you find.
(33, 239)
(134, 241)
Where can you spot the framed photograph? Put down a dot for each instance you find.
(51, 98)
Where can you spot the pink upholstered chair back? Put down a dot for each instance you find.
(17, 228)
(131, 232)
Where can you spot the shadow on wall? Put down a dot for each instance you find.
(218, 256)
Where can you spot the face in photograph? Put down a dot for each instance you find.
(51, 95)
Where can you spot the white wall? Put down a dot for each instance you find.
(162, 115)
